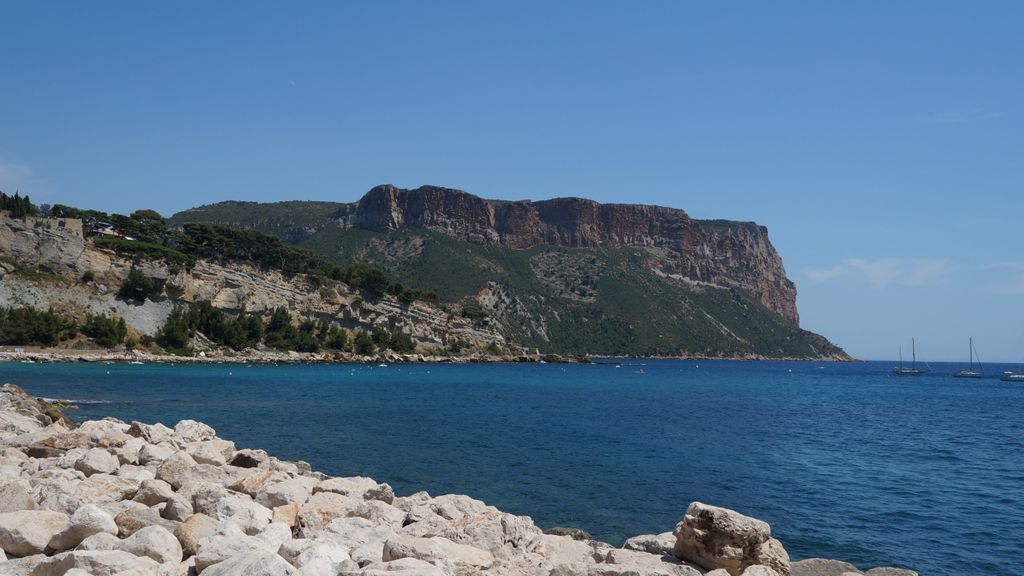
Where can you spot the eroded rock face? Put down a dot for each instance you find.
(713, 537)
(735, 254)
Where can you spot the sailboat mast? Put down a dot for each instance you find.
(901, 357)
(971, 344)
(913, 352)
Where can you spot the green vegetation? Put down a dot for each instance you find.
(145, 235)
(601, 300)
(137, 286)
(28, 326)
(280, 331)
(106, 331)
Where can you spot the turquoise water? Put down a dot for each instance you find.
(844, 460)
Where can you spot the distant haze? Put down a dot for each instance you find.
(881, 144)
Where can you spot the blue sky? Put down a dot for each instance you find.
(881, 143)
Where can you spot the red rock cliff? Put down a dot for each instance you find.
(734, 254)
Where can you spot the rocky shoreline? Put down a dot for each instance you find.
(108, 497)
(276, 357)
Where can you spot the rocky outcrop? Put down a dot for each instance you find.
(725, 253)
(337, 526)
(58, 260)
(714, 537)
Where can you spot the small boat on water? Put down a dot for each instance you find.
(913, 370)
(1010, 376)
(970, 372)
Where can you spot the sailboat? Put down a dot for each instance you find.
(913, 370)
(970, 372)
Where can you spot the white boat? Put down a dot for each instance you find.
(970, 372)
(913, 370)
(1009, 376)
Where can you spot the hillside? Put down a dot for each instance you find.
(48, 265)
(565, 275)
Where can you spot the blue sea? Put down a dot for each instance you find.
(843, 460)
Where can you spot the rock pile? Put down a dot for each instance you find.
(109, 497)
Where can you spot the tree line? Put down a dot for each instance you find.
(279, 331)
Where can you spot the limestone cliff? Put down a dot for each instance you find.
(724, 253)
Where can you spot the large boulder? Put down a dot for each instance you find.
(152, 492)
(402, 567)
(248, 515)
(713, 537)
(97, 461)
(192, 431)
(97, 563)
(132, 520)
(296, 489)
(256, 563)
(216, 452)
(16, 495)
(174, 468)
(192, 530)
(155, 542)
(227, 541)
(86, 521)
(660, 544)
(437, 550)
(99, 488)
(358, 487)
(27, 532)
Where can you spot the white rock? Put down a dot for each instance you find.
(128, 453)
(101, 541)
(217, 452)
(203, 495)
(227, 541)
(714, 537)
(455, 506)
(437, 550)
(85, 522)
(155, 453)
(402, 567)
(364, 539)
(192, 431)
(275, 535)
(98, 563)
(151, 433)
(152, 492)
(193, 530)
(177, 508)
(660, 544)
(249, 515)
(256, 563)
(96, 460)
(136, 473)
(27, 532)
(16, 495)
(759, 570)
(354, 486)
(100, 488)
(174, 467)
(155, 542)
(296, 489)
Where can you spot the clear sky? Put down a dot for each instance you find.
(882, 143)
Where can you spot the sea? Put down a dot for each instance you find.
(844, 460)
